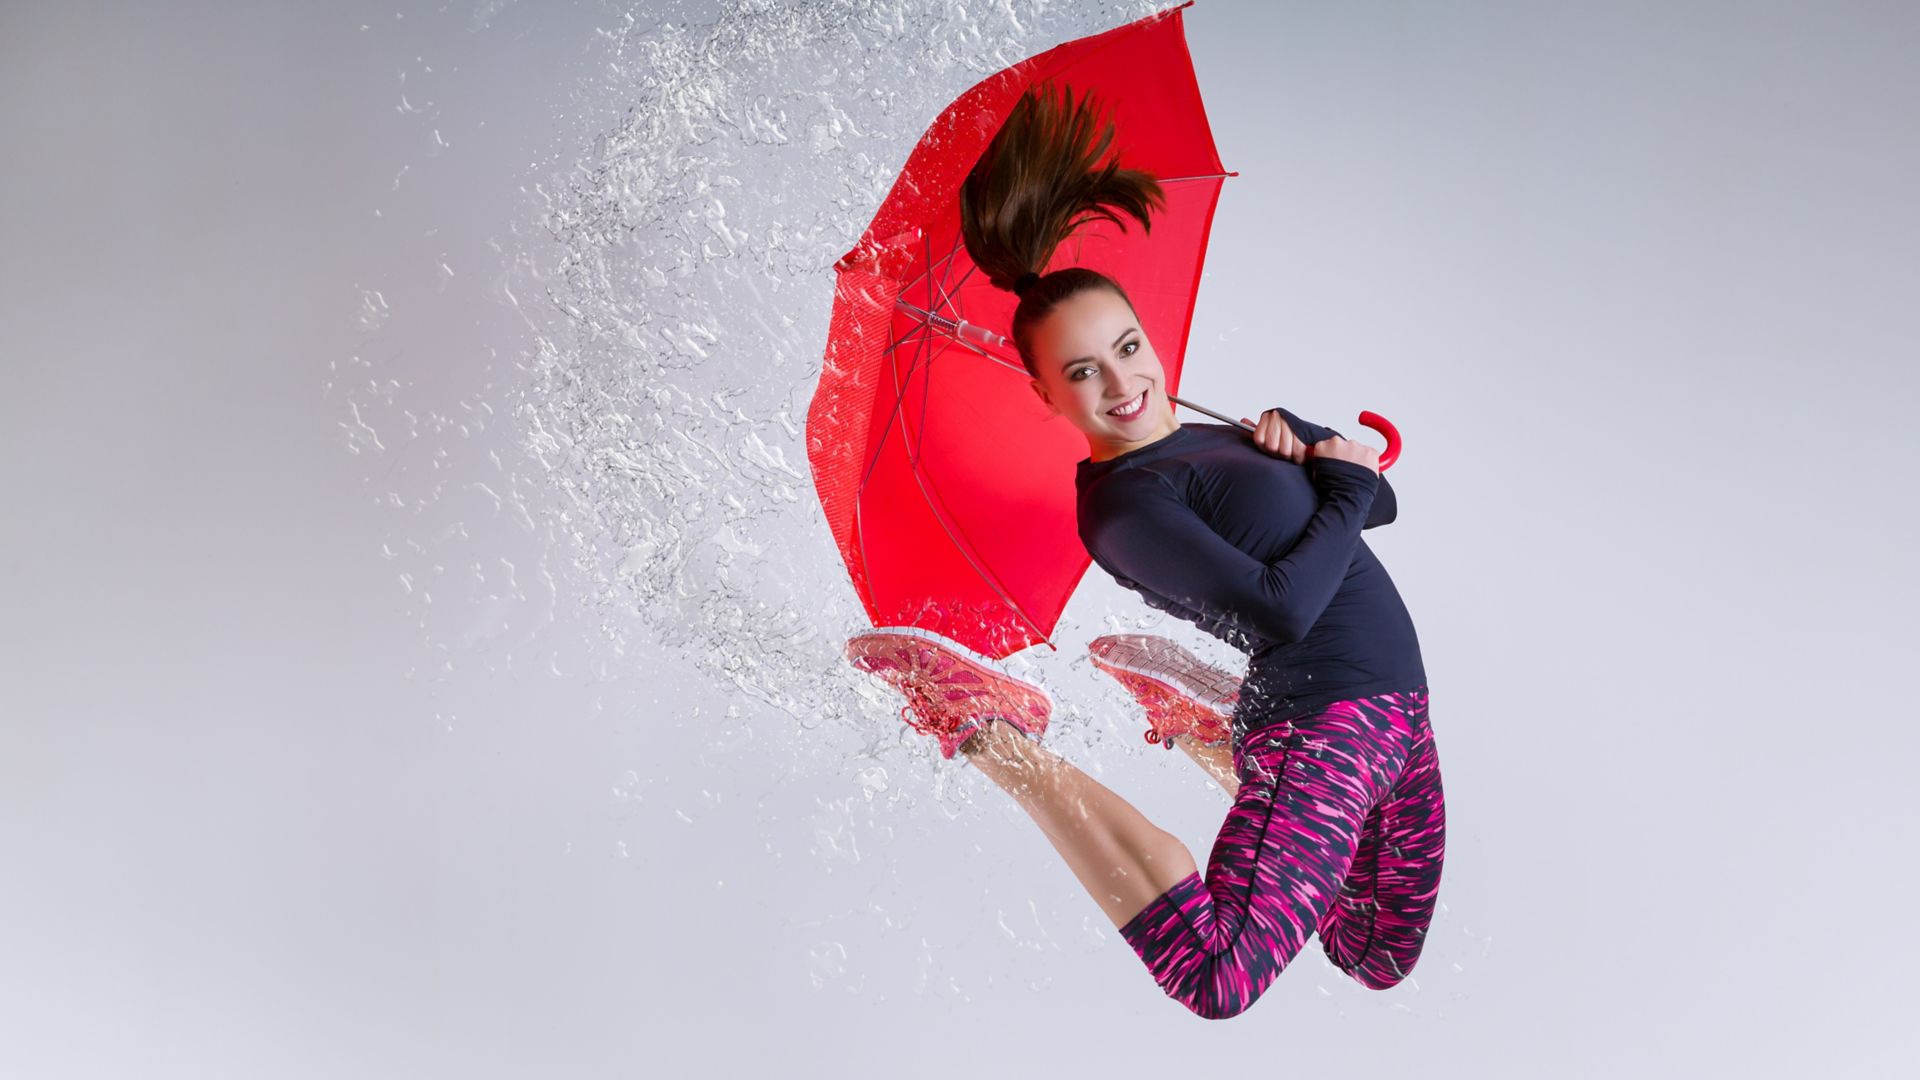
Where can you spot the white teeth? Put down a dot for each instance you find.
(1141, 403)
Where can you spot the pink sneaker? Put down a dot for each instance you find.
(1182, 694)
(952, 691)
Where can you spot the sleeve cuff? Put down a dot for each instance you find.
(1351, 469)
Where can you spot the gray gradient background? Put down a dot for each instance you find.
(1641, 281)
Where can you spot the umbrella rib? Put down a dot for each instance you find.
(926, 379)
(964, 343)
(996, 358)
(946, 298)
(909, 332)
(961, 543)
(965, 548)
(928, 491)
(932, 324)
(899, 392)
(937, 268)
(932, 264)
(899, 387)
(880, 444)
(926, 323)
(948, 265)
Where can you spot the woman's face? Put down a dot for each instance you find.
(1094, 358)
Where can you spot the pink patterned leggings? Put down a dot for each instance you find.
(1339, 827)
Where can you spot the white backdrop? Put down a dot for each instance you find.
(316, 759)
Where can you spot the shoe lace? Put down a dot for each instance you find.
(924, 727)
(934, 700)
(928, 701)
(918, 715)
(1163, 720)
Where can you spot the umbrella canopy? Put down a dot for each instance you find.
(948, 490)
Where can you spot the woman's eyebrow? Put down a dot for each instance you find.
(1115, 345)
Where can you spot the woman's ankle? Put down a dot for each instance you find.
(994, 734)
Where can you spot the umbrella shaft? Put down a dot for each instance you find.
(956, 327)
(1209, 412)
(973, 331)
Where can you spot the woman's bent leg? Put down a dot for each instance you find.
(1121, 858)
(1376, 929)
(1216, 759)
(1289, 840)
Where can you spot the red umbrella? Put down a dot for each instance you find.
(949, 494)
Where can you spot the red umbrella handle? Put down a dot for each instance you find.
(1367, 416)
(1379, 423)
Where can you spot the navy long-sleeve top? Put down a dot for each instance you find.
(1262, 553)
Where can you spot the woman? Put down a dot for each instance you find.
(1337, 824)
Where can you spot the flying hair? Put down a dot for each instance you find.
(1042, 177)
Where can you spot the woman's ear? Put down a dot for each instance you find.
(1040, 389)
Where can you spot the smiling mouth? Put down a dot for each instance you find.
(1131, 409)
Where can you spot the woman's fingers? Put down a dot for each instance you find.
(1286, 444)
(1277, 433)
(1291, 447)
(1275, 436)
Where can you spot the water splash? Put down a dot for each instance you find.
(679, 281)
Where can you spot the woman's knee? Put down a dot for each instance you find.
(1211, 1001)
(1219, 1008)
(1224, 987)
(1389, 973)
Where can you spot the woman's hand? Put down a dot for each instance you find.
(1342, 449)
(1274, 435)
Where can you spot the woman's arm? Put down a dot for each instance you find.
(1143, 533)
(1385, 506)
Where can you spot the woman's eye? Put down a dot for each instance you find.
(1077, 371)
(1127, 346)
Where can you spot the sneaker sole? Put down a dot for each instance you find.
(990, 670)
(1170, 664)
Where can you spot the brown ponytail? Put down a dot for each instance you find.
(1038, 180)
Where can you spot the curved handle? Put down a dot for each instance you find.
(1379, 423)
